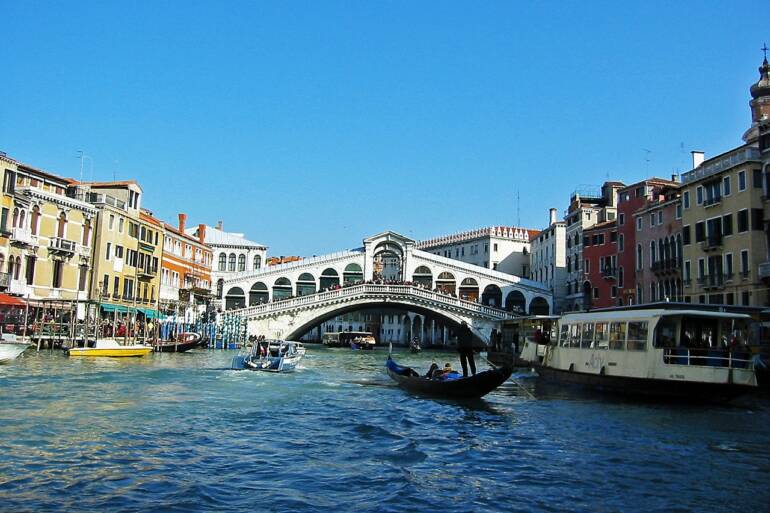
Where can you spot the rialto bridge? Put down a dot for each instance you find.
(290, 299)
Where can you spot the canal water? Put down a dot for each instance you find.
(179, 432)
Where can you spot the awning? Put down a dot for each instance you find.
(148, 313)
(8, 300)
(107, 307)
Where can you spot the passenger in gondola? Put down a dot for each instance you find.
(432, 371)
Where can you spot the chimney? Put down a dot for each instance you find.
(674, 177)
(219, 225)
(552, 213)
(182, 222)
(202, 233)
(697, 158)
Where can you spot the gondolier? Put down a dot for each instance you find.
(465, 348)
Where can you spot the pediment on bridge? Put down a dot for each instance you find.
(388, 236)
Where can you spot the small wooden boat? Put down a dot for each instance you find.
(11, 347)
(184, 342)
(471, 387)
(271, 356)
(110, 349)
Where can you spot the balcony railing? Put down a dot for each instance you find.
(105, 199)
(764, 270)
(62, 245)
(21, 235)
(5, 280)
(668, 265)
(713, 281)
(610, 273)
(147, 272)
(711, 242)
(714, 200)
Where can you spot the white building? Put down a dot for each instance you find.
(502, 248)
(233, 254)
(548, 259)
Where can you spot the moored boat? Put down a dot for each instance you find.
(270, 355)
(666, 353)
(453, 387)
(110, 349)
(11, 347)
(183, 342)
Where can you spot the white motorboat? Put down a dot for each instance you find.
(271, 355)
(11, 347)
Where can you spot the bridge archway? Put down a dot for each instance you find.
(281, 289)
(516, 302)
(539, 306)
(388, 261)
(492, 296)
(306, 284)
(258, 294)
(235, 298)
(423, 276)
(330, 279)
(469, 289)
(445, 282)
(352, 274)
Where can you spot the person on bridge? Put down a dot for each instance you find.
(465, 348)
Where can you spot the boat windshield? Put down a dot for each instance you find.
(693, 332)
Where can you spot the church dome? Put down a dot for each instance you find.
(762, 87)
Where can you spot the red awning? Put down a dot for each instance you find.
(7, 300)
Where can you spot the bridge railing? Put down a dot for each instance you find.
(328, 259)
(376, 290)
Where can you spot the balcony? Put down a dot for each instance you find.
(18, 287)
(62, 246)
(714, 200)
(610, 273)
(21, 236)
(105, 199)
(146, 273)
(712, 281)
(5, 280)
(712, 242)
(764, 270)
(666, 266)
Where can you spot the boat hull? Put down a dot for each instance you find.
(177, 348)
(11, 351)
(647, 387)
(127, 352)
(472, 387)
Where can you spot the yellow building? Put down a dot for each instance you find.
(6, 205)
(49, 251)
(127, 251)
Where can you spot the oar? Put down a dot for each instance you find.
(530, 394)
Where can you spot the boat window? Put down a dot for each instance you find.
(601, 335)
(574, 335)
(637, 336)
(734, 333)
(564, 335)
(618, 335)
(665, 333)
(587, 341)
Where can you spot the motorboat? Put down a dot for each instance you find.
(11, 347)
(183, 342)
(270, 355)
(450, 385)
(111, 349)
(685, 354)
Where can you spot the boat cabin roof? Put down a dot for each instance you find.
(650, 313)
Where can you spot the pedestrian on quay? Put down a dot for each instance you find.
(465, 348)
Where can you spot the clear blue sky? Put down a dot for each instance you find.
(309, 125)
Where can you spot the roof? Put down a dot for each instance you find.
(146, 216)
(108, 185)
(645, 313)
(215, 237)
(601, 226)
(654, 180)
(186, 236)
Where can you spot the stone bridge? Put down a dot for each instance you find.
(288, 300)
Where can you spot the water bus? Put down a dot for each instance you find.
(514, 333)
(673, 353)
(352, 339)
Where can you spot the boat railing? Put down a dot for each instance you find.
(708, 358)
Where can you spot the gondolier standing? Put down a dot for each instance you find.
(465, 348)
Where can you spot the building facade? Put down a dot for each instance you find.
(601, 281)
(502, 248)
(185, 269)
(548, 259)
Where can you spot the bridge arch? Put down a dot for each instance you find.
(352, 273)
(445, 282)
(235, 298)
(469, 289)
(306, 284)
(281, 288)
(539, 306)
(330, 279)
(492, 296)
(423, 276)
(516, 302)
(258, 294)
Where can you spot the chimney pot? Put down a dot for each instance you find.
(220, 225)
(182, 222)
(552, 218)
(202, 233)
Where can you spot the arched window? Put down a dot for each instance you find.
(639, 262)
(35, 219)
(17, 268)
(231, 262)
(222, 263)
(220, 285)
(241, 262)
(15, 217)
(257, 262)
(22, 218)
(61, 229)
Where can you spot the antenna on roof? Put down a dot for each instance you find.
(647, 160)
(518, 208)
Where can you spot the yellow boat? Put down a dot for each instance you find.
(110, 349)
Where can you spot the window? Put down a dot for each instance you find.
(106, 284)
(652, 219)
(231, 262)
(686, 199)
(637, 336)
(257, 262)
(728, 265)
(700, 231)
(687, 276)
(757, 219)
(660, 217)
(222, 262)
(617, 335)
(620, 277)
(601, 336)
(118, 251)
(621, 219)
(58, 267)
(639, 223)
(743, 220)
(726, 185)
(494, 246)
(639, 262)
(82, 278)
(727, 224)
(31, 269)
(587, 341)
(741, 180)
(701, 268)
(621, 242)
(112, 222)
(699, 195)
(686, 235)
(9, 181)
(120, 224)
(744, 262)
(241, 262)
(678, 211)
(109, 250)
(757, 178)
(745, 298)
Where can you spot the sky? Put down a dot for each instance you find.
(309, 126)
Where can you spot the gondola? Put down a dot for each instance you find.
(471, 387)
(184, 342)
